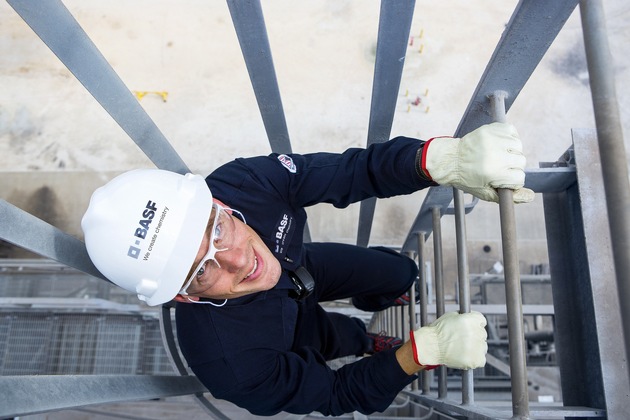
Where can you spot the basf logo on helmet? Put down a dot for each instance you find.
(148, 213)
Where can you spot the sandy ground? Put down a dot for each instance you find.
(54, 135)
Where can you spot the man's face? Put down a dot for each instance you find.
(246, 266)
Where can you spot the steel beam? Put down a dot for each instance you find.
(249, 23)
(29, 232)
(22, 395)
(251, 31)
(582, 276)
(391, 48)
(611, 149)
(540, 180)
(529, 33)
(499, 411)
(54, 24)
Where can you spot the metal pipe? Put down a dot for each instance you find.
(393, 313)
(401, 325)
(611, 149)
(422, 281)
(513, 300)
(437, 256)
(462, 252)
(412, 320)
(464, 284)
(520, 403)
(422, 293)
(439, 288)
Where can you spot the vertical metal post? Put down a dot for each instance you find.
(412, 320)
(393, 315)
(513, 300)
(401, 321)
(413, 325)
(464, 285)
(422, 293)
(395, 320)
(439, 288)
(611, 149)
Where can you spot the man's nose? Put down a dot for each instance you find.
(231, 260)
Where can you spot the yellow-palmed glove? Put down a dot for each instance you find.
(455, 340)
(485, 159)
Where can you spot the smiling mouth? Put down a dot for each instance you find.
(253, 268)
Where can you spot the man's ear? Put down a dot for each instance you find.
(185, 299)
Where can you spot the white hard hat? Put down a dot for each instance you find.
(143, 230)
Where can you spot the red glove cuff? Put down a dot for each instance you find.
(415, 350)
(423, 161)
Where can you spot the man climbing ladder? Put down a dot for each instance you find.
(230, 251)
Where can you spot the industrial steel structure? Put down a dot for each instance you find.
(589, 249)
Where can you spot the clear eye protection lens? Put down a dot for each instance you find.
(221, 238)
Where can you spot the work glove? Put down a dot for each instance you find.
(455, 340)
(485, 159)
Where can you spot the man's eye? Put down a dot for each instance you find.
(201, 271)
(217, 232)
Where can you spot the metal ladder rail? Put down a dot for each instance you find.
(469, 408)
(516, 56)
(391, 48)
(608, 127)
(496, 76)
(513, 298)
(499, 74)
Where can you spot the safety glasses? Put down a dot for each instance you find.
(221, 233)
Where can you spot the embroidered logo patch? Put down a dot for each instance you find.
(283, 233)
(287, 162)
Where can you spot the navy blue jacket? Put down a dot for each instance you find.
(243, 352)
